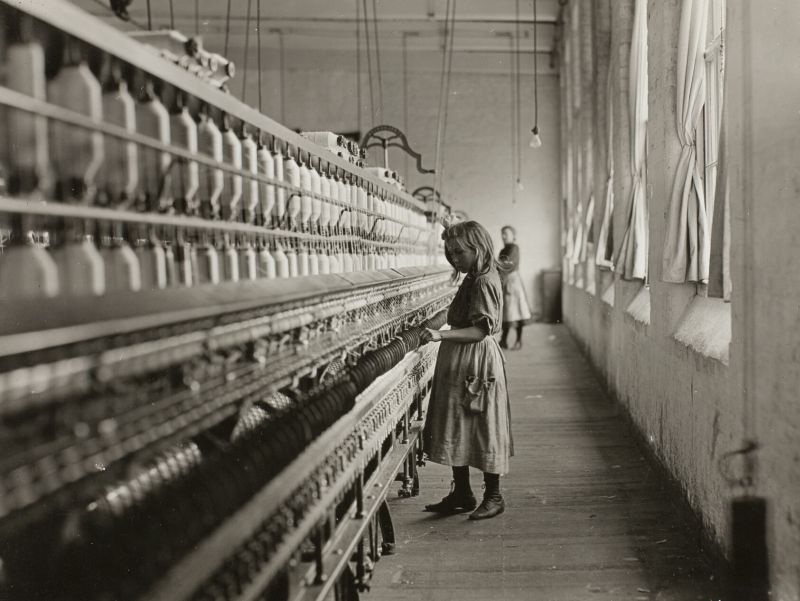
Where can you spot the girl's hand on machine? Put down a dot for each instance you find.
(429, 335)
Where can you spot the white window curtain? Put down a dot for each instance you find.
(605, 254)
(577, 232)
(686, 248)
(632, 258)
(586, 185)
(566, 227)
(571, 206)
(587, 223)
(567, 240)
(577, 250)
(569, 250)
(569, 232)
(569, 180)
(583, 269)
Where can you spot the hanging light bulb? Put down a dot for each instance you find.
(536, 141)
(520, 187)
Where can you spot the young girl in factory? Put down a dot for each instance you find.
(516, 310)
(468, 420)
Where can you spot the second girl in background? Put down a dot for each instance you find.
(516, 310)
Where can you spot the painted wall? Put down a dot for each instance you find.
(692, 402)
(320, 94)
(764, 87)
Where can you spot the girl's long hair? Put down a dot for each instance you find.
(472, 235)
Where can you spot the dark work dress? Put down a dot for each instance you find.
(468, 419)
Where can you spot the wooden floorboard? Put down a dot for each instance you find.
(586, 518)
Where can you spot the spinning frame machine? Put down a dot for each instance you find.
(210, 371)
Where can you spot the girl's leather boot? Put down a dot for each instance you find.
(493, 503)
(460, 498)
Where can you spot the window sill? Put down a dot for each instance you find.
(639, 309)
(705, 328)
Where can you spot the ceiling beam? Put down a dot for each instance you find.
(382, 19)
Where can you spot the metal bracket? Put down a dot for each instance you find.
(426, 193)
(391, 138)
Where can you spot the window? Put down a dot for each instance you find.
(706, 324)
(710, 151)
(605, 242)
(712, 117)
(632, 256)
(696, 203)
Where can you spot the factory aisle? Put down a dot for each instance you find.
(586, 517)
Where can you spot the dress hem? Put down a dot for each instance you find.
(492, 468)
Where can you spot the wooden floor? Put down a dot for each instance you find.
(586, 517)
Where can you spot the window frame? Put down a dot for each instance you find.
(712, 111)
(710, 122)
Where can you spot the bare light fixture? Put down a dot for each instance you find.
(536, 141)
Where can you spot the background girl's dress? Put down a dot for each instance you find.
(515, 301)
(454, 434)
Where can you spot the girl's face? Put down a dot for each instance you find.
(463, 258)
(508, 236)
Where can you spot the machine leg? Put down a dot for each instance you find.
(414, 472)
(347, 587)
(387, 529)
(360, 495)
(319, 544)
(362, 577)
(407, 490)
(373, 542)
